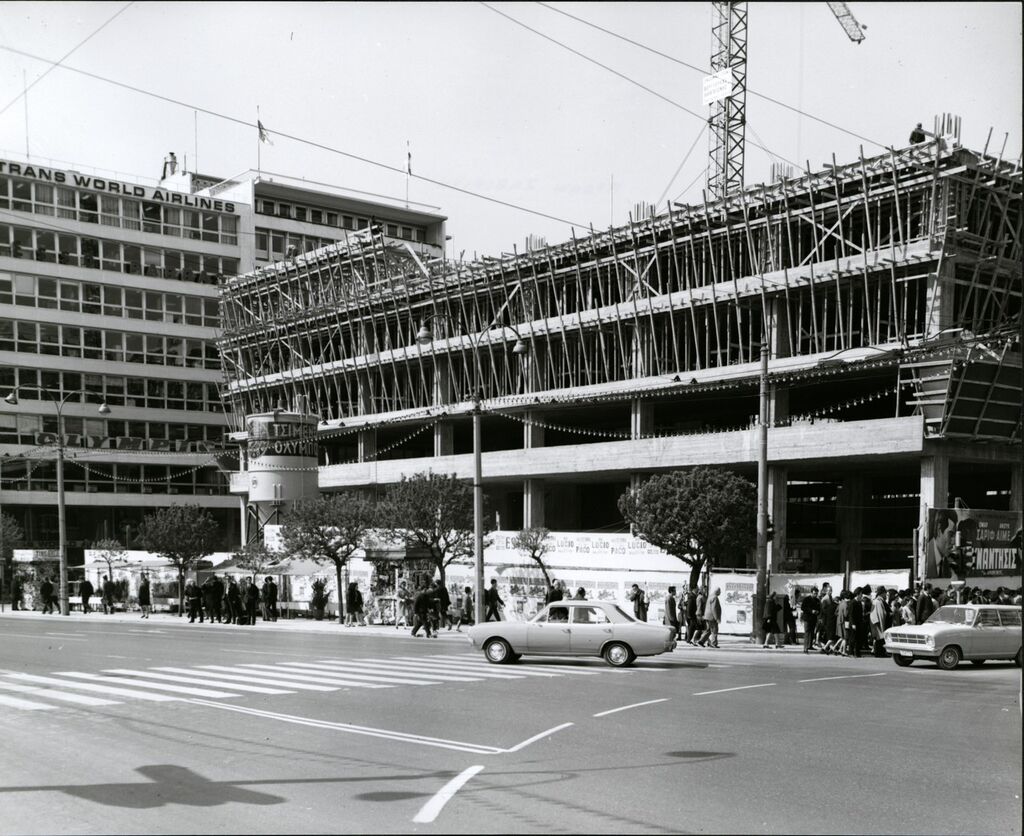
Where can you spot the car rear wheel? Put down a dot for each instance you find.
(949, 658)
(903, 661)
(977, 661)
(619, 655)
(498, 651)
(1016, 658)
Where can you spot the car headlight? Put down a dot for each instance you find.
(929, 641)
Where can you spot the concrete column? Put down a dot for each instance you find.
(641, 418)
(1016, 487)
(938, 301)
(778, 498)
(533, 433)
(850, 519)
(934, 494)
(444, 439)
(442, 382)
(366, 445)
(533, 503)
(243, 518)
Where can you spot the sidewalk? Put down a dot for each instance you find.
(301, 625)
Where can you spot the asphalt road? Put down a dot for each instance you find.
(119, 725)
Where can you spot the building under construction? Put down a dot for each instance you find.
(887, 291)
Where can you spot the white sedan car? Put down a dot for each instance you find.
(975, 632)
(573, 628)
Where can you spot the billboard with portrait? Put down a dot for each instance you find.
(993, 538)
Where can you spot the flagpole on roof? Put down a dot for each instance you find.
(259, 140)
(408, 171)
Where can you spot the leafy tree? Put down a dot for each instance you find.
(255, 558)
(534, 544)
(432, 512)
(182, 535)
(328, 529)
(112, 553)
(695, 515)
(11, 535)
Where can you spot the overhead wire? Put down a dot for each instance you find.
(615, 72)
(682, 63)
(680, 168)
(311, 143)
(67, 55)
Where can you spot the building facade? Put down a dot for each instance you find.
(887, 293)
(109, 294)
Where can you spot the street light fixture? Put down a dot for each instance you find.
(62, 538)
(424, 337)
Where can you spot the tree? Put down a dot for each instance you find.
(695, 515)
(182, 535)
(432, 512)
(112, 553)
(328, 529)
(533, 543)
(255, 558)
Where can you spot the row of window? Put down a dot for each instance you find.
(111, 210)
(113, 346)
(24, 429)
(108, 300)
(104, 254)
(273, 245)
(120, 478)
(115, 390)
(339, 220)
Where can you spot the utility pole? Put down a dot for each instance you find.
(762, 501)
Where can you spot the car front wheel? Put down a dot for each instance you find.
(903, 661)
(949, 658)
(497, 651)
(619, 655)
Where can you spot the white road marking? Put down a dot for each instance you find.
(740, 688)
(252, 678)
(340, 680)
(477, 669)
(99, 689)
(325, 671)
(627, 707)
(557, 667)
(195, 680)
(26, 705)
(424, 669)
(53, 694)
(266, 677)
(429, 811)
(348, 728)
(537, 737)
(156, 686)
(851, 676)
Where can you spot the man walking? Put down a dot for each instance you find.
(492, 601)
(86, 589)
(422, 606)
(810, 608)
(108, 595)
(671, 618)
(712, 616)
(690, 609)
(46, 595)
(854, 616)
(269, 595)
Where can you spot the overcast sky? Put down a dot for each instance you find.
(487, 105)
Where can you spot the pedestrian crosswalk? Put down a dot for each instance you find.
(170, 683)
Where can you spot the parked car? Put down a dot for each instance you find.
(573, 628)
(975, 632)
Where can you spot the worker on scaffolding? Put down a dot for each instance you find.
(918, 135)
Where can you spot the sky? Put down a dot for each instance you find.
(534, 119)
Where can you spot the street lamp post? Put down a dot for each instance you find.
(62, 538)
(424, 337)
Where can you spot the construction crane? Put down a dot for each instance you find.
(725, 91)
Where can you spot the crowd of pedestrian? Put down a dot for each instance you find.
(230, 602)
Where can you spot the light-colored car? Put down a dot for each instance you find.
(573, 628)
(975, 632)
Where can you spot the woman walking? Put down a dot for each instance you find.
(145, 600)
(771, 621)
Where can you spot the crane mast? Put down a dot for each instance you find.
(728, 119)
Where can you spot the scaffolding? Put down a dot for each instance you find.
(886, 252)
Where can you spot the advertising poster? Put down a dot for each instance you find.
(737, 600)
(993, 536)
(797, 586)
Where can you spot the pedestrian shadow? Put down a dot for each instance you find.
(169, 784)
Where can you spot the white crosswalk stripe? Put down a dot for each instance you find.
(166, 683)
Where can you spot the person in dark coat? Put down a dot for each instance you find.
(690, 609)
(269, 597)
(145, 601)
(85, 589)
(788, 620)
(250, 600)
(193, 602)
(918, 135)
(770, 621)
(492, 602)
(422, 605)
(46, 595)
(636, 595)
(810, 608)
(671, 613)
(233, 596)
(554, 592)
(213, 592)
(854, 617)
(444, 605)
(354, 606)
(16, 602)
(108, 595)
(827, 619)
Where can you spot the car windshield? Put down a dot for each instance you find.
(953, 615)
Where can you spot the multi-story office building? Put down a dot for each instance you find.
(887, 293)
(109, 294)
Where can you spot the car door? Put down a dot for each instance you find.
(987, 636)
(550, 633)
(591, 628)
(1010, 619)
